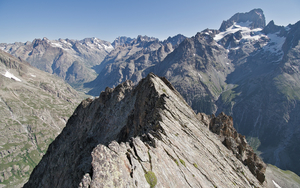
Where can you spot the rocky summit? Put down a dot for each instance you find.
(139, 136)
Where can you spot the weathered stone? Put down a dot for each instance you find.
(222, 125)
(139, 136)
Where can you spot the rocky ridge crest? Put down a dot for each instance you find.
(139, 136)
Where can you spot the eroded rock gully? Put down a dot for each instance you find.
(139, 136)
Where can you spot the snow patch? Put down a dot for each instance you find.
(276, 185)
(108, 48)
(247, 33)
(11, 76)
(63, 44)
(275, 43)
(200, 75)
(32, 75)
(55, 44)
(287, 28)
(95, 44)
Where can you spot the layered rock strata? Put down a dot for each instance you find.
(139, 136)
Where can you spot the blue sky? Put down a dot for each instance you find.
(25, 20)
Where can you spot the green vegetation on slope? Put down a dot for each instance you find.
(33, 112)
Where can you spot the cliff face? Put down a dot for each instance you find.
(139, 136)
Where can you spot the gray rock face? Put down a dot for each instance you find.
(139, 136)
(266, 89)
(255, 17)
(222, 125)
(175, 41)
(272, 28)
(197, 69)
(120, 41)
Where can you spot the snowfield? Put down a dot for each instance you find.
(11, 76)
(246, 32)
(271, 42)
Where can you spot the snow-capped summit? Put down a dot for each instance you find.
(240, 34)
(90, 43)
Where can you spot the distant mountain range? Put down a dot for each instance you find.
(247, 68)
(71, 60)
(78, 61)
(131, 61)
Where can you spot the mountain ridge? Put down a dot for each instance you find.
(57, 56)
(144, 144)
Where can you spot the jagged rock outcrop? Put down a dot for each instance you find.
(139, 136)
(222, 125)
